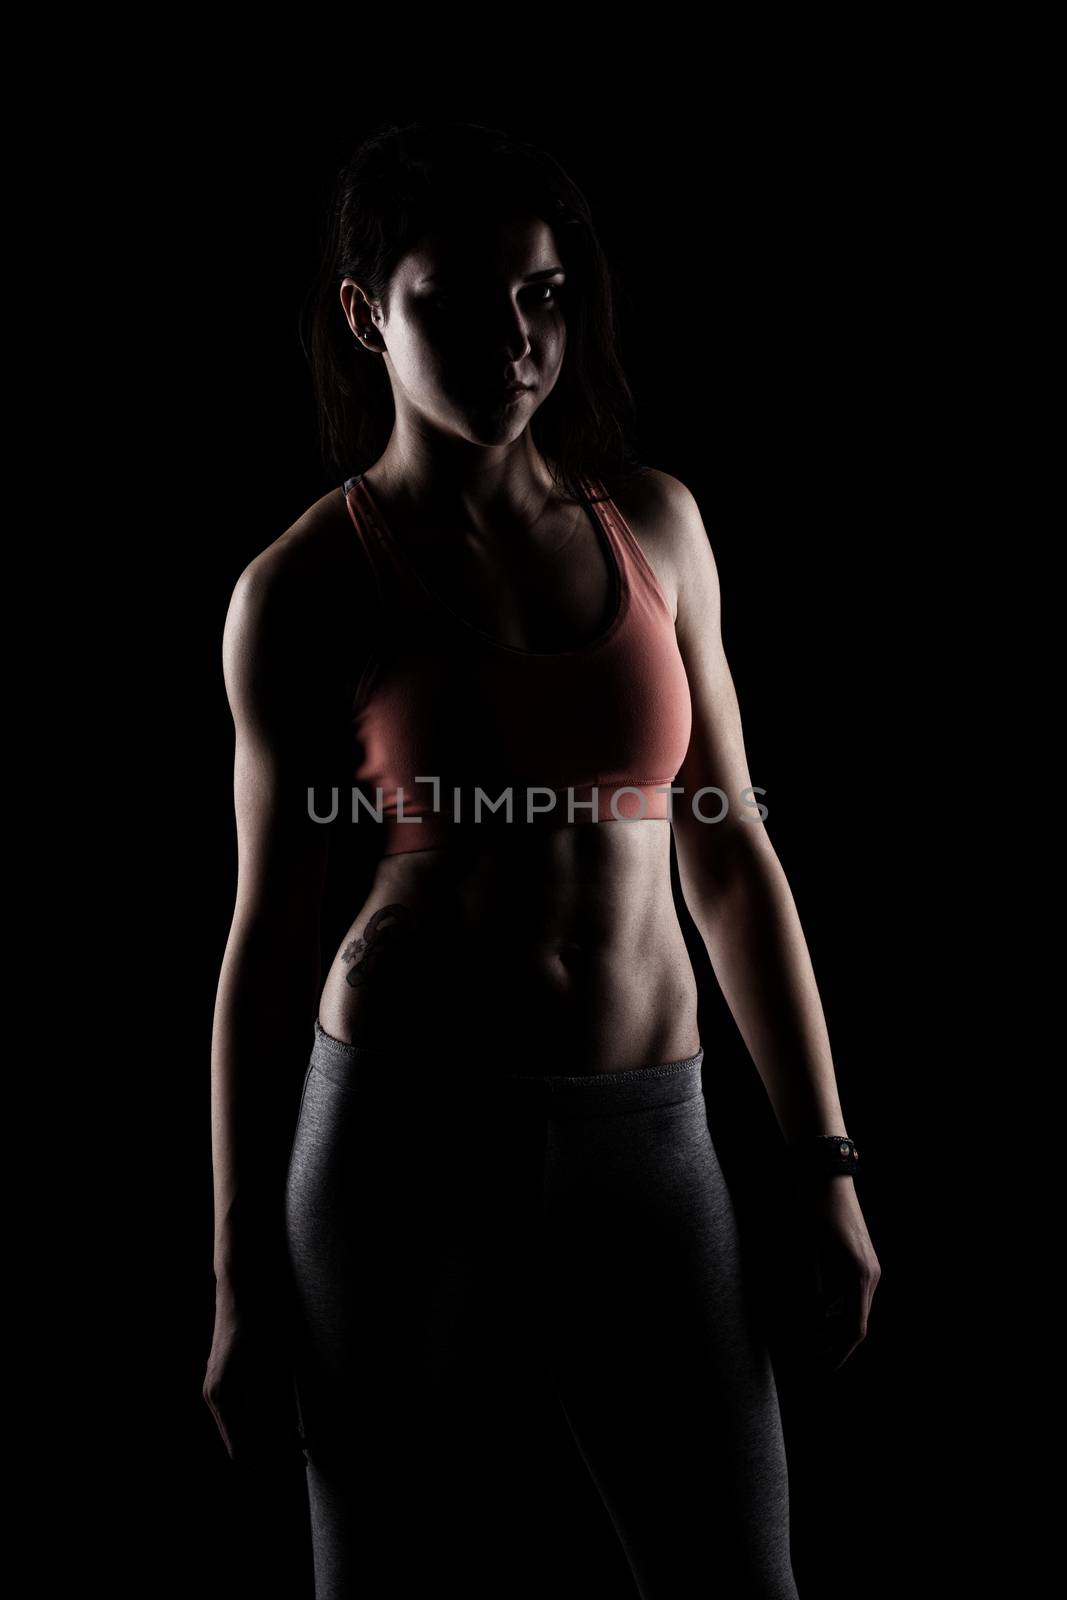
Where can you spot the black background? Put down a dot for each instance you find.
(791, 333)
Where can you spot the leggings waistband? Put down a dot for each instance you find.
(373, 1069)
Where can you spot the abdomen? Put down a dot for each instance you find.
(560, 955)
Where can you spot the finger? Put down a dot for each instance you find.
(255, 1427)
(845, 1299)
(842, 1325)
(224, 1432)
(840, 1340)
(837, 1356)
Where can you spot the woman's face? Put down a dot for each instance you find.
(469, 313)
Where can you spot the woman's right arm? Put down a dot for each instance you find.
(288, 704)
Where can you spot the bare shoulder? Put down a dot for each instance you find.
(309, 548)
(664, 517)
(295, 606)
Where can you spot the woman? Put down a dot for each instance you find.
(502, 1193)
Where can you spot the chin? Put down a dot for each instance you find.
(496, 429)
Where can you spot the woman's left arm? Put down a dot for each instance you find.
(740, 900)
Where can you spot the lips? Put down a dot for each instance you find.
(503, 393)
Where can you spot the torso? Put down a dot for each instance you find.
(556, 953)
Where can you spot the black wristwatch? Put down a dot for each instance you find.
(823, 1155)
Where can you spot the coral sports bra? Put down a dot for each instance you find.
(456, 732)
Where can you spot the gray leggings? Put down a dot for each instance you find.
(474, 1255)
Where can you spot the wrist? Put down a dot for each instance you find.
(251, 1271)
(252, 1299)
(822, 1158)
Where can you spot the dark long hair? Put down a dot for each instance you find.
(399, 184)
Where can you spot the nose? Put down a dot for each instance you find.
(511, 327)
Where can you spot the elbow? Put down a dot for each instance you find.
(270, 973)
(713, 857)
(272, 952)
(275, 934)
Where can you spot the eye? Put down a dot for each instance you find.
(548, 293)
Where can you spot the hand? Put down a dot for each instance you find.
(248, 1384)
(846, 1269)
